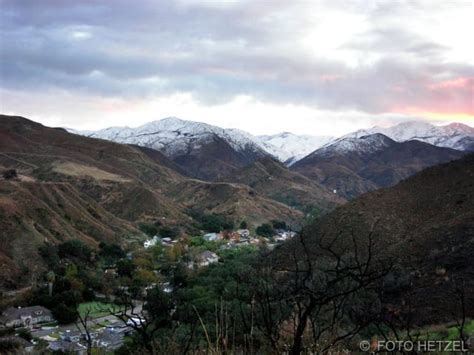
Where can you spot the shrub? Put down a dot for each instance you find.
(279, 224)
(74, 248)
(9, 174)
(111, 251)
(25, 334)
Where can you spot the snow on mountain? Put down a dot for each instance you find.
(290, 148)
(174, 136)
(455, 135)
(362, 145)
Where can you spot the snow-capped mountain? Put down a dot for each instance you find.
(289, 147)
(455, 135)
(181, 140)
(362, 145)
(173, 136)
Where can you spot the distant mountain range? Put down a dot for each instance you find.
(350, 165)
(176, 138)
(455, 135)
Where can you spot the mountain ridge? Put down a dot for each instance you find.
(353, 166)
(176, 138)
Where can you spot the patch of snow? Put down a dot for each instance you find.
(366, 144)
(290, 148)
(449, 136)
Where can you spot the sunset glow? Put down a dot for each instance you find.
(313, 67)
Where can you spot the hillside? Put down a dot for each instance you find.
(32, 213)
(353, 166)
(424, 226)
(272, 179)
(70, 186)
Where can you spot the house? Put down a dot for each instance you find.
(211, 237)
(151, 242)
(68, 347)
(26, 317)
(119, 327)
(167, 242)
(244, 233)
(206, 257)
(283, 235)
(71, 336)
(109, 340)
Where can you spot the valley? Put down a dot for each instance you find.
(118, 225)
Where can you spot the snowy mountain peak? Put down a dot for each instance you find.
(362, 145)
(174, 136)
(290, 147)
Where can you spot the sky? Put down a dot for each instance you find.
(264, 66)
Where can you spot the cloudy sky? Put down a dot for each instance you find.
(265, 66)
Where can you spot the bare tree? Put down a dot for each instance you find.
(318, 289)
(84, 321)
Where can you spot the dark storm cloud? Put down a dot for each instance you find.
(215, 51)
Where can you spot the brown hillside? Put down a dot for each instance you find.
(275, 181)
(425, 225)
(353, 173)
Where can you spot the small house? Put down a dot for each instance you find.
(206, 257)
(244, 233)
(211, 237)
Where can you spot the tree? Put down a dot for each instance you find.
(50, 277)
(146, 321)
(149, 229)
(125, 267)
(111, 252)
(265, 230)
(74, 249)
(65, 314)
(279, 224)
(243, 225)
(319, 288)
(84, 321)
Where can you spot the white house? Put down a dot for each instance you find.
(244, 233)
(151, 242)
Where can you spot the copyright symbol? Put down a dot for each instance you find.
(364, 345)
